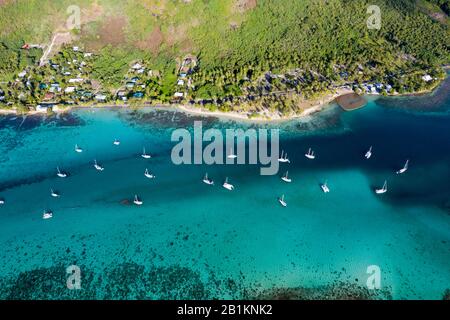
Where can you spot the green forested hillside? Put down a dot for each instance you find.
(234, 40)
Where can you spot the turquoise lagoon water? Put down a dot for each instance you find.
(193, 241)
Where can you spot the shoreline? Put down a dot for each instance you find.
(310, 107)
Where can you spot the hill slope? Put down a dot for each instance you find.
(234, 40)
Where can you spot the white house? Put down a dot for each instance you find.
(69, 90)
(76, 80)
(100, 97)
(427, 78)
(40, 108)
(179, 94)
(180, 82)
(136, 66)
(22, 74)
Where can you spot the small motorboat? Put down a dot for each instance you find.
(54, 194)
(97, 166)
(145, 155)
(368, 154)
(116, 142)
(47, 215)
(149, 175)
(227, 185)
(310, 155)
(325, 188)
(282, 202)
(60, 174)
(207, 180)
(286, 178)
(137, 201)
(78, 149)
(384, 189)
(404, 169)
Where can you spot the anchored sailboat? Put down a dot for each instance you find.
(137, 201)
(54, 193)
(145, 155)
(284, 157)
(116, 142)
(2, 202)
(78, 149)
(227, 185)
(47, 215)
(310, 155)
(149, 175)
(282, 202)
(207, 180)
(368, 154)
(60, 174)
(97, 166)
(286, 178)
(404, 169)
(382, 190)
(325, 188)
(232, 155)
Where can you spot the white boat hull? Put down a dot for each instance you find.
(47, 216)
(228, 186)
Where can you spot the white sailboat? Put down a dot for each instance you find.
(231, 155)
(310, 155)
(47, 215)
(116, 142)
(78, 149)
(207, 180)
(404, 169)
(286, 178)
(60, 174)
(145, 155)
(137, 201)
(149, 175)
(227, 185)
(368, 154)
(382, 190)
(284, 157)
(54, 194)
(2, 202)
(282, 202)
(97, 166)
(325, 188)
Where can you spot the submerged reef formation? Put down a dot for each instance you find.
(132, 281)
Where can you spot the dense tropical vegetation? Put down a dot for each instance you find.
(268, 53)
